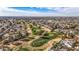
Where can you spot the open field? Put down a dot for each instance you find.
(39, 33)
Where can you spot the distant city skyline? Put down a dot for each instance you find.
(39, 11)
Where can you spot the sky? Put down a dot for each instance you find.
(39, 11)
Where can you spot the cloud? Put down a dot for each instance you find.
(72, 11)
(66, 11)
(13, 12)
(60, 11)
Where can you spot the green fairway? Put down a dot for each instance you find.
(41, 41)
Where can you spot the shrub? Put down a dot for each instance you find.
(24, 49)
